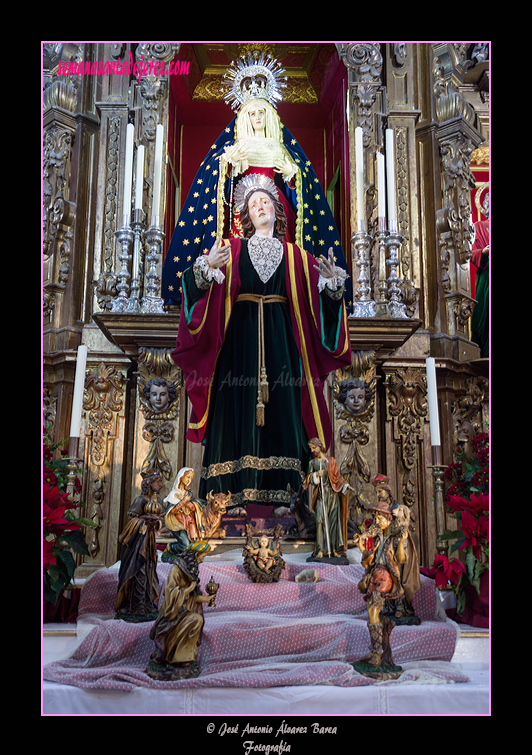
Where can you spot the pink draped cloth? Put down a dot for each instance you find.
(266, 635)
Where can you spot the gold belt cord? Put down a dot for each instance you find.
(263, 392)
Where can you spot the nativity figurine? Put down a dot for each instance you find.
(183, 514)
(178, 628)
(263, 555)
(328, 501)
(406, 554)
(383, 547)
(307, 575)
(138, 584)
(262, 558)
(305, 519)
(213, 510)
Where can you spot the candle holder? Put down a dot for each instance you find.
(125, 236)
(73, 463)
(438, 472)
(138, 226)
(397, 308)
(152, 303)
(363, 306)
(382, 308)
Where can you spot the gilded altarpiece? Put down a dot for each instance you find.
(419, 90)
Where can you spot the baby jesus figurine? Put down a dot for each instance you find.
(264, 555)
(262, 559)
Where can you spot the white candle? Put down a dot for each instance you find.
(390, 179)
(359, 157)
(381, 197)
(381, 191)
(79, 388)
(128, 171)
(139, 178)
(432, 390)
(157, 175)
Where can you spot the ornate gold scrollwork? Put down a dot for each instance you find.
(457, 184)
(364, 61)
(407, 407)
(58, 213)
(153, 88)
(354, 398)
(467, 413)
(102, 400)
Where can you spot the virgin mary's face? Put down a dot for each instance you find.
(257, 116)
(187, 477)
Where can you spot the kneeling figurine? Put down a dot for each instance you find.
(178, 628)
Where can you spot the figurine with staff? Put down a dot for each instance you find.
(328, 500)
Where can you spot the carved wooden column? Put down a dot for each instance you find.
(150, 108)
(113, 106)
(103, 450)
(160, 418)
(356, 416)
(366, 108)
(407, 442)
(401, 61)
(457, 137)
(70, 149)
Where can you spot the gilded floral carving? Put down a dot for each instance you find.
(407, 407)
(159, 381)
(354, 398)
(102, 401)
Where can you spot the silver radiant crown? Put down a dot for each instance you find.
(254, 77)
(249, 183)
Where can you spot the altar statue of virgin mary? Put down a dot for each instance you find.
(254, 142)
(263, 316)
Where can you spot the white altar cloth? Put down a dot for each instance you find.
(470, 698)
(431, 687)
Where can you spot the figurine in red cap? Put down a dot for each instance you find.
(387, 598)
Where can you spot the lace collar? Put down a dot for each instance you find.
(266, 254)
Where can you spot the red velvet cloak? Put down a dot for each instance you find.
(202, 329)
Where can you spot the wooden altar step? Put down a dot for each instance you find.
(222, 545)
(235, 528)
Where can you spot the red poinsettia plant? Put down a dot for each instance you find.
(467, 501)
(63, 529)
